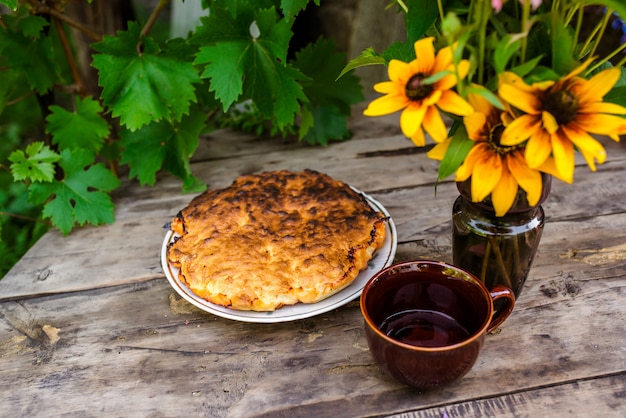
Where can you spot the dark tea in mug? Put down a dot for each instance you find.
(424, 328)
(427, 308)
(426, 321)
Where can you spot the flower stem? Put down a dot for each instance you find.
(604, 23)
(500, 263)
(482, 17)
(525, 29)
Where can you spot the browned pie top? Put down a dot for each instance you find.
(274, 239)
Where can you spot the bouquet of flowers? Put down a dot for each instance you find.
(524, 83)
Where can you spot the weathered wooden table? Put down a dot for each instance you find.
(89, 326)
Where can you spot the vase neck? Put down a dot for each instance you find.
(521, 201)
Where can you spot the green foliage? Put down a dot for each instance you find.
(156, 97)
(134, 70)
(37, 164)
(82, 128)
(79, 196)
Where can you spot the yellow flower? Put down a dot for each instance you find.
(560, 116)
(495, 169)
(421, 102)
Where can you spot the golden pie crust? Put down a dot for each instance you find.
(274, 239)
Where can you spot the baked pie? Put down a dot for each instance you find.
(274, 239)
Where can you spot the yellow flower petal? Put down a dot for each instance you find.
(465, 170)
(439, 151)
(432, 98)
(591, 149)
(549, 122)
(479, 103)
(386, 105)
(538, 148)
(474, 125)
(527, 178)
(549, 167)
(386, 87)
(515, 81)
(451, 80)
(598, 86)
(579, 69)
(453, 103)
(604, 107)
(520, 130)
(434, 125)
(425, 53)
(563, 153)
(443, 60)
(485, 176)
(399, 72)
(411, 118)
(418, 138)
(503, 195)
(525, 101)
(601, 124)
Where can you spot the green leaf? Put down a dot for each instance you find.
(367, 57)
(32, 26)
(403, 51)
(503, 52)
(328, 123)
(163, 145)
(11, 4)
(32, 57)
(487, 94)
(321, 64)
(246, 57)
(37, 165)
(617, 95)
(458, 149)
(562, 47)
(527, 67)
(421, 16)
(291, 8)
(83, 128)
(141, 83)
(80, 196)
(330, 99)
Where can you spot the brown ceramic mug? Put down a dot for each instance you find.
(426, 321)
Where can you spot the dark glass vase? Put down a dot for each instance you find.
(497, 250)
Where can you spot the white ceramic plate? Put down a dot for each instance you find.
(382, 258)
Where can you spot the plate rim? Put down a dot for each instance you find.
(283, 314)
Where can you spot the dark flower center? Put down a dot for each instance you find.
(416, 90)
(561, 104)
(495, 135)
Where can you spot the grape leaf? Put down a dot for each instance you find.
(328, 123)
(79, 197)
(246, 57)
(134, 70)
(330, 98)
(83, 128)
(291, 8)
(32, 26)
(322, 65)
(36, 165)
(32, 57)
(11, 4)
(163, 145)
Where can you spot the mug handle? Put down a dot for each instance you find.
(498, 317)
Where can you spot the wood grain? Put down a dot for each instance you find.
(90, 327)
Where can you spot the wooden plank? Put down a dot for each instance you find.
(128, 250)
(137, 349)
(598, 397)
